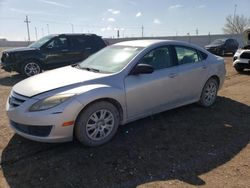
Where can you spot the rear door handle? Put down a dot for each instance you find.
(65, 50)
(173, 75)
(204, 66)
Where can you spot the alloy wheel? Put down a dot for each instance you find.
(31, 69)
(100, 124)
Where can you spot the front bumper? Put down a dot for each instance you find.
(44, 126)
(215, 51)
(241, 59)
(8, 67)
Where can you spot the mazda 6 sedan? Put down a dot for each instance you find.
(119, 84)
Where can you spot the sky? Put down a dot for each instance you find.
(105, 17)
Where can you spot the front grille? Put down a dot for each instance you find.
(34, 130)
(245, 55)
(16, 100)
(3, 57)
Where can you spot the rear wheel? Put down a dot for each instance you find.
(30, 68)
(222, 53)
(97, 124)
(209, 93)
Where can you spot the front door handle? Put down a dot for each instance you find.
(172, 75)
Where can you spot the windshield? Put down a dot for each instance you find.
(110, 59)
(41, 42)
(219, 41)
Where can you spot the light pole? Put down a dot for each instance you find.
(72, 28)
(235, 7)
(48, 28)
(36, 32)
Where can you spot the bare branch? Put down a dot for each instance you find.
(236, 25)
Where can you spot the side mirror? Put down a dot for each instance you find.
(49, 47)
(142, 69)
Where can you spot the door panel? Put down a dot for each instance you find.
(192, 73)
(149, 93)
(192, 78)
(58, 52)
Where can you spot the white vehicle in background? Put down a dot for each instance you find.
(241, 59)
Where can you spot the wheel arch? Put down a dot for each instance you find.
(32, 59)
(216, 78)
(107, 99)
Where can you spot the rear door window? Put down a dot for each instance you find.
(186, 55)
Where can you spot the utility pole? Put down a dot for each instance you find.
(142, 31)
(118, 33)
(72, 28)
(42, 32)
(36, 32)
(48, 28)
(28, 30)
(197, 31)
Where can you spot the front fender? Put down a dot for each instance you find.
(91, 93)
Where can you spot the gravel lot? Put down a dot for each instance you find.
(178, 148)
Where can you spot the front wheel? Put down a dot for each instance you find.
(209, 93)
(30, 68)
(97, 124)
(239, 69)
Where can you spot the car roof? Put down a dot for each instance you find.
(139, 43)
(74, 34)
(150, 42)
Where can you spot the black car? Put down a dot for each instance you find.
(223, 46)
(51, 52)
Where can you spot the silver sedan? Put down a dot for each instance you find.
(117, 85)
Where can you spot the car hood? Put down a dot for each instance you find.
(54, 79)
(22, 49)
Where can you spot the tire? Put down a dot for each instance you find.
(209, 93)
(239, 69)
(222, 53)
(91, 128)
(30, 68)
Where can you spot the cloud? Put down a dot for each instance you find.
(156, 21)
(108, 28)
(174, 6)
(55, 3)
(20, 11)
(138, 14)
(132, 3)
(112, 11)
(111, 19)
(201, 6)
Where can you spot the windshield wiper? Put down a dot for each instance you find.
(85, 68)
(90, 69)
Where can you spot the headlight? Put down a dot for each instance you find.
(50, 102)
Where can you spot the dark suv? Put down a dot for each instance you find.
(223, 46)
(51, 52)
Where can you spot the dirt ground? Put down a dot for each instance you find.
(186, 147)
